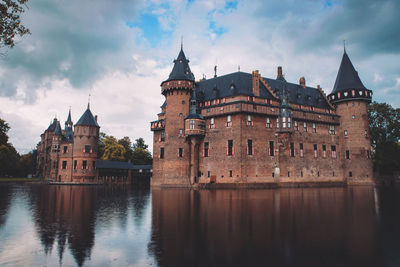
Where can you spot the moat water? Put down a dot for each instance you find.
(44, 225)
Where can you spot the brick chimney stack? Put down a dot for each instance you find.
(302, 82)
(279, 72)
(256, 82)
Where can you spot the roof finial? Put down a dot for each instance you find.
(344, 45)
(181, 42)
(88, 104)
(238, 68)
(215, 71)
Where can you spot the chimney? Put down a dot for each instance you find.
(319, 87)
(256, 82)
(302, 82)
(95, 117)
(279, 72)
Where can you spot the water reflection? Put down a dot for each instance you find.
(5, 198)
(296, 227)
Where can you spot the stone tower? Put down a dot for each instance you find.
(55, 150)
(86, 135)
(351, 99)
(171, 146)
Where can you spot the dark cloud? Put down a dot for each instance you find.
(74, 40)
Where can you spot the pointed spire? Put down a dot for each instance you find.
(88, 104)
(181, 69)
(57, 130)
(347, 77)
(69, 120)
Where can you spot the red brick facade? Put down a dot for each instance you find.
(233, 142)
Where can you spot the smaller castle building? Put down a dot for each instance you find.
(69, 155)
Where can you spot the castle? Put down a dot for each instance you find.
(242, 128)
(69, 155)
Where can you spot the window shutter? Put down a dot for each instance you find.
(227, 149)
(252, 123)
(233, 150)
(252, 150)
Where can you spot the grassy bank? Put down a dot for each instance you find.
(19, 180)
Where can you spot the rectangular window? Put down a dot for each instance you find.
(301, 150)
(315, 151)
(332, 129)
(296, 126)
(314, 127)
(87, 149)
(289, 123)
(249, 147)
(206, 149)
(212, 123)
(277, 123)
(208, 173)
(271, 148)
(180, 152)
(249, 122)
(324, 151)
(347, 154)
(230, 173)
(268, 123)
(65, 149)
(345, 133)
(333, 148)
(191, 124)
(161, 152)
(305, 126)
(94, 165)
(162, 139)
(284, 122)
(64, 164)
(229, 121)
(230, 148)
(75, 164)
(292, 149)
(180, 132)
(84, 164)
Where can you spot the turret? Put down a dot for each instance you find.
(86, 134)
(169, 133)
(285, 111)
(351, 98)
(69, 134)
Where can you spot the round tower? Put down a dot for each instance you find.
(171, 162)
(86, 135)
(351, 100)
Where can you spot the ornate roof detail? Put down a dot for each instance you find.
(181, 69)
(87, 119)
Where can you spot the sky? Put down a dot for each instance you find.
(119, 52)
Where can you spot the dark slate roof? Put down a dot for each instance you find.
(347, 77)
(57, 130)
(69, 120)
(52, 126)
(87, 119)
(105, 164)
(164, 104)
(240, 83)
(142, 167)
(181, 69)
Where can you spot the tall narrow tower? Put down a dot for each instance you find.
(86, 135)
(351, 99)
(171, 161)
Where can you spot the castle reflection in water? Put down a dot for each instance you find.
(281, 227)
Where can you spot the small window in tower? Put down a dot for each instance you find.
(249, 122)
(268, 123)
(323, 151)
(180, 152)
(64, 164)
(65, 149)
(180, 132)
(84, 164)
(249, 147)
(292, 149)
(206, 149)
(347, 154)
(284, 122)
(161, 152)
(353, 117)
(87, 149)
(191, 124)
(305, 126)
(230, 173)
(180, 115)
(75, 164)
(301, 150)
(229, 121)
(183, 102)
(333, 149)
(277, 123)
(296, 126)
(314, 127)
(271, 148)
(212, 123)
(162, 138)
(315, 151)
(230, 148)
(289, 123)
(332, 129)
(345, 133)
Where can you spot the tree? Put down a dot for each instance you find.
(25, 165)
(113, 150)
(3, 132)
(141, 156)
(127, 144)
(384, 123)
(8, 155)
(100, 143)
(10, 21)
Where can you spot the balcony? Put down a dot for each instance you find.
(157, 125)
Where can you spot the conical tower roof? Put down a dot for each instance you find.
(69, 120)
(347, 77)
(87, 119)
(181, 69)
(57, 130)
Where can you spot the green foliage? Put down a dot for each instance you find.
(10, 21)
(9, 159)
(141, 156)
(100, 142)
(127, 144)
(384, 123)
(3, 132)
(25, 165)
(140, 144)
(112, 150)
